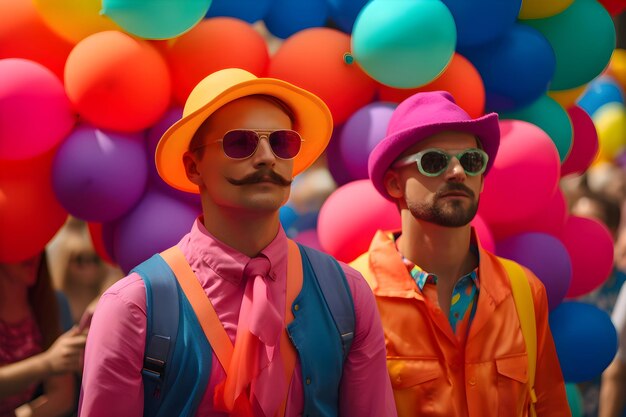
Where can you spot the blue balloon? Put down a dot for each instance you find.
(585, 339)
(344, 12)
(599, 92)
(286, 17)
(516, 68)
(287, 216)
(480, 21)
(248, 10)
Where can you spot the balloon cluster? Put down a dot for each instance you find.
(87, 87)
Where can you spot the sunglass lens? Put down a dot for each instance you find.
(434, 162)
(285, 143)
(473, 162)
(239, 144)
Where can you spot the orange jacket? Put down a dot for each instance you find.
(431, 374)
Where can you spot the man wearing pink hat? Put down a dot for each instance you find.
(466, 332)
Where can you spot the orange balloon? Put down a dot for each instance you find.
(212, 45)
(118, 82)
(23, 34)
(567, 98)
(30, 214)
(315, 59)
(460, 78)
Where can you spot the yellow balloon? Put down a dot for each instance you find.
(566, 98)
(538, 9)
(610, 122)
(74, 20)
(617, 66)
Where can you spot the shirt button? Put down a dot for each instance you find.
(296, 307)
(472, 381)
(308, 381)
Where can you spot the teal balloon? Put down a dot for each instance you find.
(574, 399)
(155, 19)
(404, 46)
(552, 118)
(583, 39)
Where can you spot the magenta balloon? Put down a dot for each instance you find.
(361, 133)
(544, 255)
(155, 224)
(590, 247)
(524, 176)
(550, 219)
(585, 142)
(351, 216)
(35, 113)
(99, 175)
(484, 234)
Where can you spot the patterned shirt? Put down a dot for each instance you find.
(464, 296)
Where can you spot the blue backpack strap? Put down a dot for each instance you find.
(336, 291)
(161, 330)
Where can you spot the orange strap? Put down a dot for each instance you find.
(210, 322)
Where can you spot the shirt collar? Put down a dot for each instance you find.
(205, 250)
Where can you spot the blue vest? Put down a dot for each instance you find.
(175, 379)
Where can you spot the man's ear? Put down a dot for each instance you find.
(191, 168)
(393, 184)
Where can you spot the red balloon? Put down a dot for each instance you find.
(614, 7)
(584, 143)
(118, 82)
(212, 45)
(30, 215)
(590, 247)
(95, 232)
(23, 34)
(314, 60)
(460, 78)
(351, 216)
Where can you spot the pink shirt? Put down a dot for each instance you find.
(112, 382)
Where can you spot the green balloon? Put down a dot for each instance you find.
(155, 19)
(583, 39)
(546, 113)
(404, 45)
(575, 399)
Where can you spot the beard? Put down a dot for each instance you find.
(446, 213)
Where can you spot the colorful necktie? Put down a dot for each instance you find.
(256, 364)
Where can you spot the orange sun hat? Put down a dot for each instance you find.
(313, 120)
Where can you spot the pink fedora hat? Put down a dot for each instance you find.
(421, 116)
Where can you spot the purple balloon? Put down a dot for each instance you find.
(544, 255)
(334, 160)
(361, 133)
(309, 238)
(158, 222)
(153, 136)
(99, 175)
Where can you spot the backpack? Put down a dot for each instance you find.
(162, 289)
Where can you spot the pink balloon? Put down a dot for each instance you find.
(585, 142)
(484, 234)
(35, 113)
(524, 176)
(351, 216)
(590, 247)
(550, 219)
(309, 238)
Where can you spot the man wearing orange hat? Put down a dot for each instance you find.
(466, 332)
(236, 319)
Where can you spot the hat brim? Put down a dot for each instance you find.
(485, 128)
(313, 121)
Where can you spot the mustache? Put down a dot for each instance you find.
(451, 187)
(261, 175)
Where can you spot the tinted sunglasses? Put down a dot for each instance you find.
(243, 143)
(434, 162)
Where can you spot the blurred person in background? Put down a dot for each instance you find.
(36, 360)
